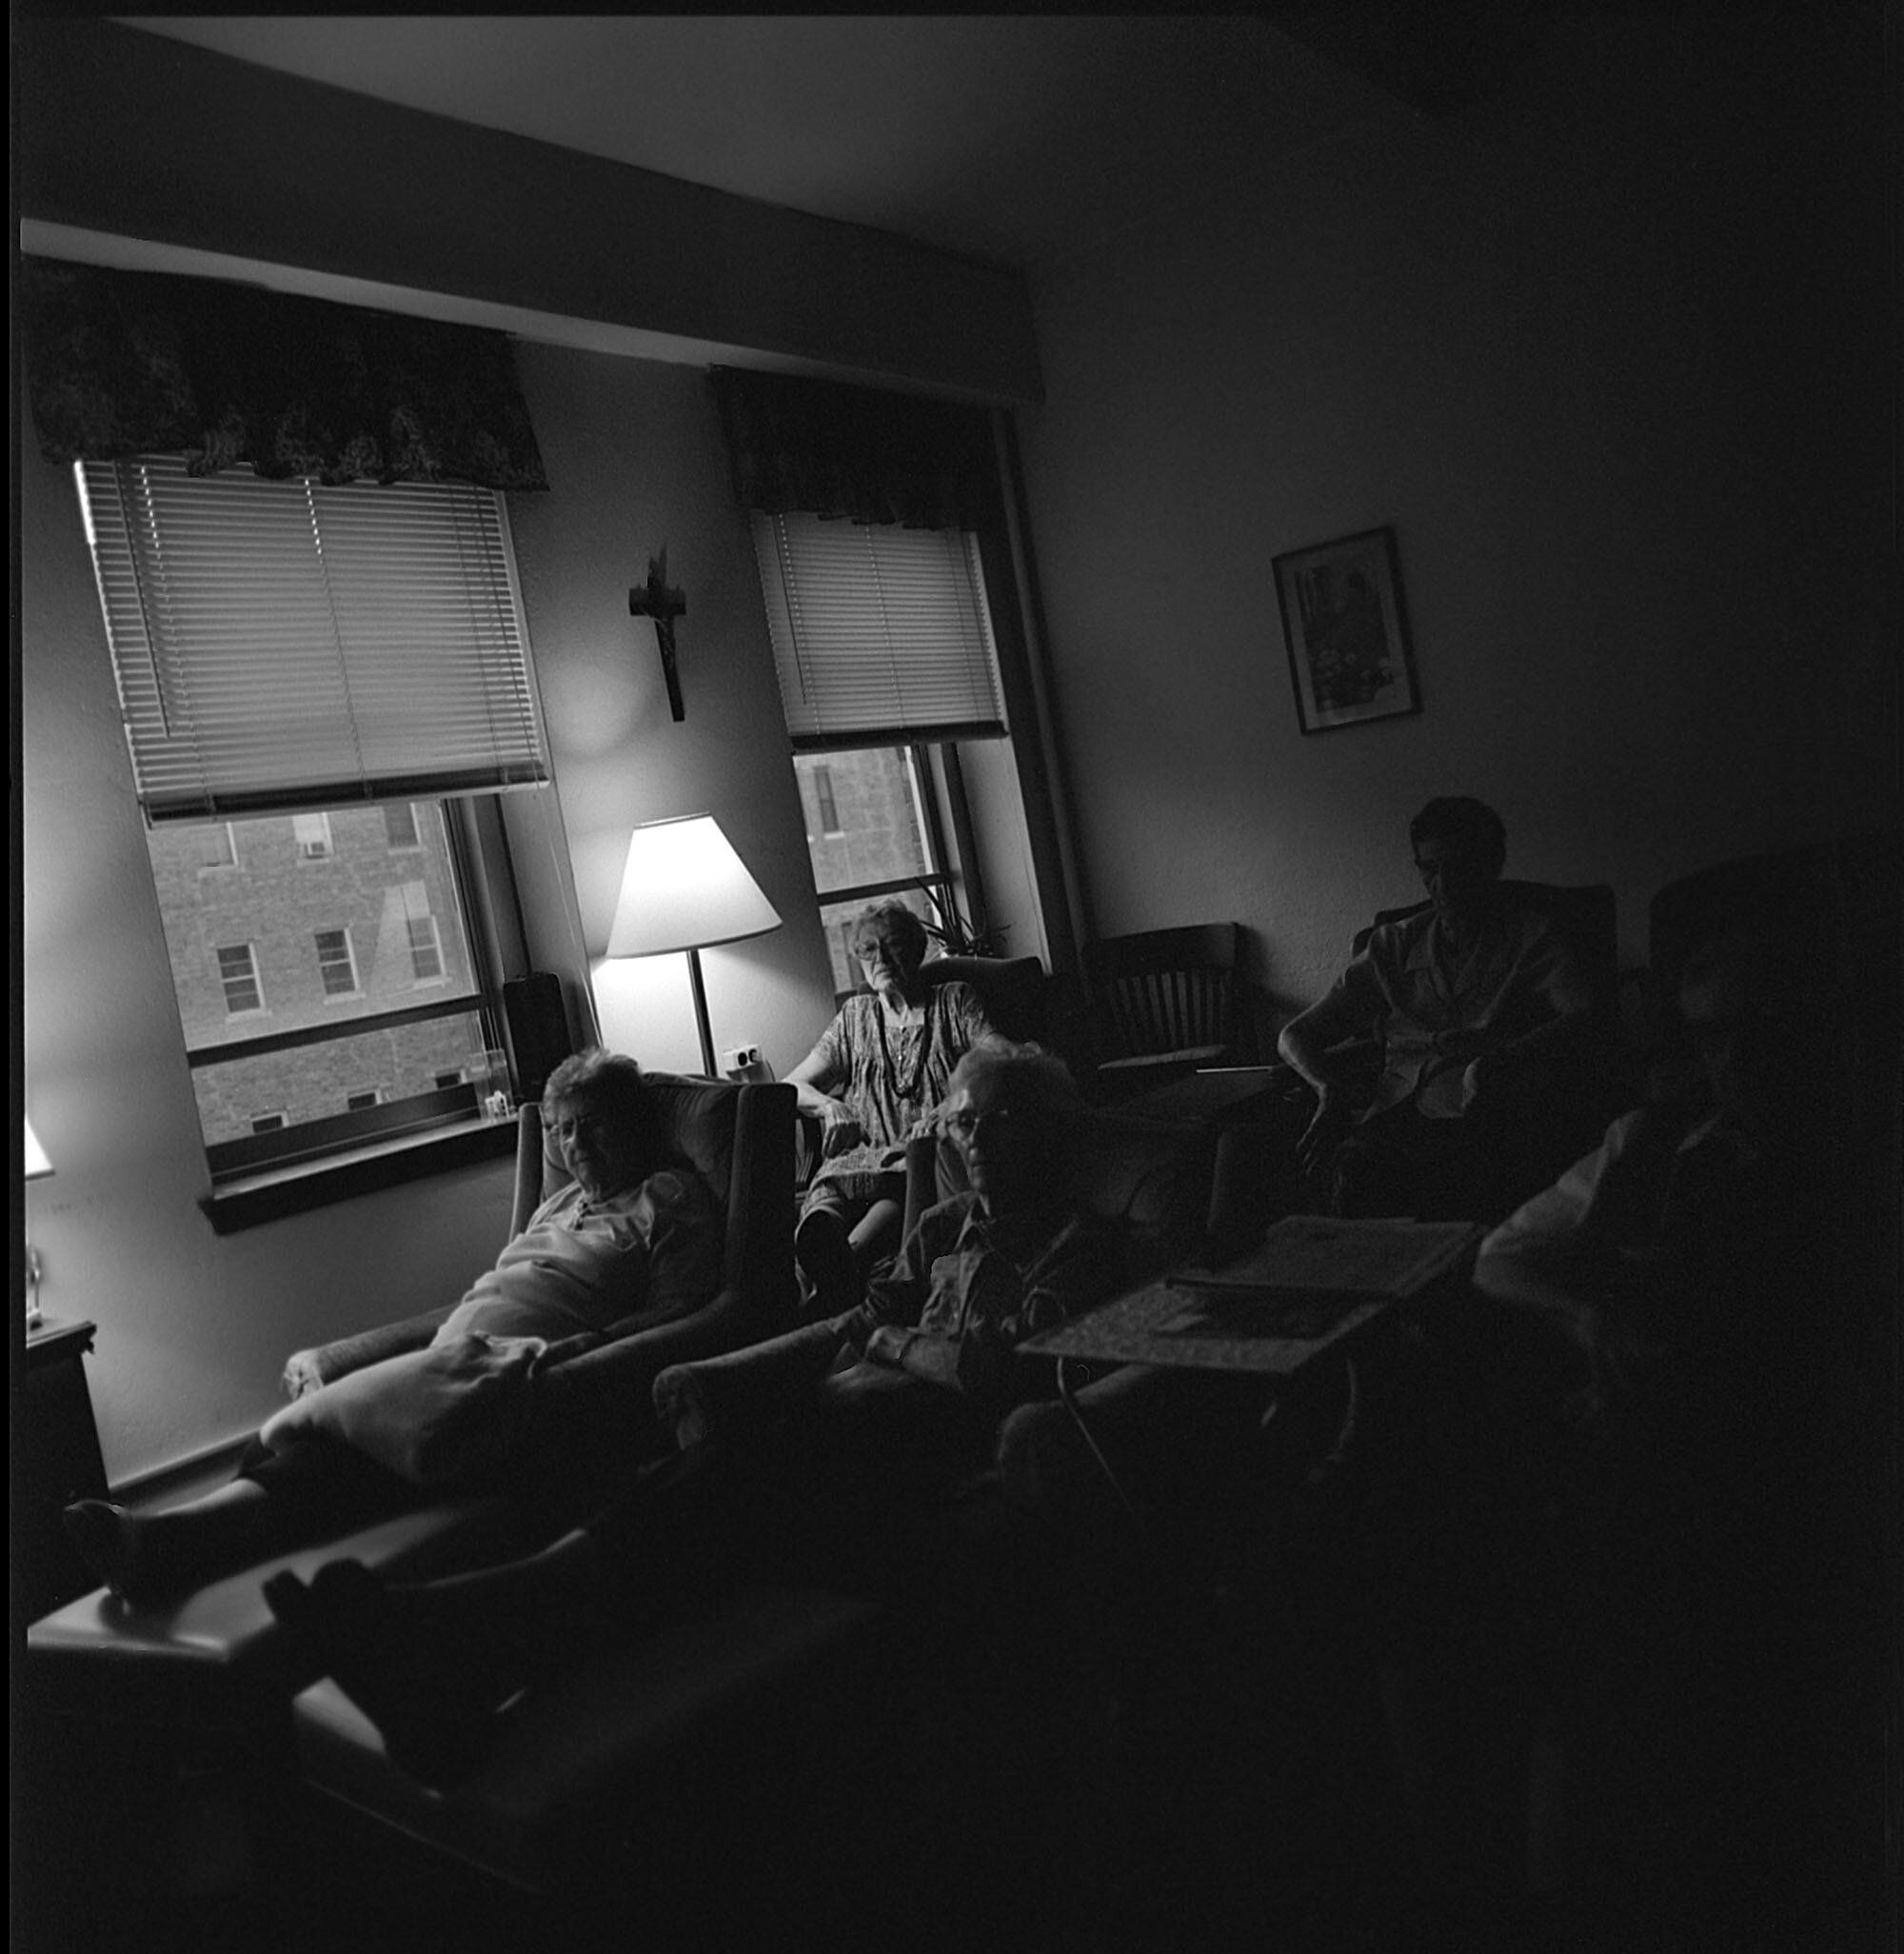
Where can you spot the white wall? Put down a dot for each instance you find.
(636, 462)
(193, 1327)
(1607, 353)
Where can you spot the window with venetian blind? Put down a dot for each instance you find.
(884, 650)
(313, 679)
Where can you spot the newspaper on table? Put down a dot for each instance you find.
(1311, 1281)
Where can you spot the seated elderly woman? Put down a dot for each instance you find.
(840, 1444)
(632, 1240)
(877, 1074)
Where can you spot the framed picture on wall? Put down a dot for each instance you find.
(1342, 622)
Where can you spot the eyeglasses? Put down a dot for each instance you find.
(964, 1126)
(572, 1125)
(879, 947)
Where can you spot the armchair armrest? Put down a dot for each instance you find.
(592, 1416)
(717, 1395)
(305, 1370)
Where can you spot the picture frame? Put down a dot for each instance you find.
(1346, 633)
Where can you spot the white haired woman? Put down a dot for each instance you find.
(877, 1075)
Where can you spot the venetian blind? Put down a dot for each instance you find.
(284, 644)
(880, 633)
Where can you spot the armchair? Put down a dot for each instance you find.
(739, 1138)
(1011, 989)
(217, 1655)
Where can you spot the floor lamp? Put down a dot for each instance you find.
(685, 889)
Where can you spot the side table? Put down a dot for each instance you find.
(56, 1460)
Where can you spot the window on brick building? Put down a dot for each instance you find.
(828, 803)
(238, 976)
(325, 688)
(335, 964)
(313, 833)
(426, 950)
(215, 847)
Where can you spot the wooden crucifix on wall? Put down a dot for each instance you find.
(654, 599)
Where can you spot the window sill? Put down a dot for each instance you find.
(273, 1194)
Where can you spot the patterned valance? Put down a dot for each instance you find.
(822, 448)
(126, 363)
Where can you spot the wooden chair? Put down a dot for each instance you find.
(1162, 1004)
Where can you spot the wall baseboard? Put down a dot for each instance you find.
(182, 1478)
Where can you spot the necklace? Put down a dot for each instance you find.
(908, 1045)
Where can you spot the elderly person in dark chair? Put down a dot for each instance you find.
(1601, 1550)
(1468, 999)
(837, 1452)
(633, 1239)
(878, 1073)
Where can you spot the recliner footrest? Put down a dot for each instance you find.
(217, 1656)
(643, 1767)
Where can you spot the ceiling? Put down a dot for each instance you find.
(1011, 138)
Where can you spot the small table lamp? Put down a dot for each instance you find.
(37, 1167)
(685, 889)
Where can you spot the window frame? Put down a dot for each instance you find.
(356, 988)
(255, 976)
(888, 610)
(418, 979)
(319, 848)
(289, 1168)
(308, 1143)
(952, 883)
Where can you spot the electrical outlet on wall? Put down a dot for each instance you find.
(745, 1062)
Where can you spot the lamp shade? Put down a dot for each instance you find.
(685, 889)
(38, 1166)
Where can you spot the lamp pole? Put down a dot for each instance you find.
(701, 1018)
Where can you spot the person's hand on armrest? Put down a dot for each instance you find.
(839, 1130)
(302, 1374)
(971, 1364)
(1307, 1042)
(1327, 1128)
(308, 1370)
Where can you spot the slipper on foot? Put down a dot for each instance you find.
(105, 1537)
(343, 1622)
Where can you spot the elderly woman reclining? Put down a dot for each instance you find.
(827, 1453)
(634, 1239)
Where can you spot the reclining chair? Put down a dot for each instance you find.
(216, 1658)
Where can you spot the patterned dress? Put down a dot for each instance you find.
(895, 1073)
